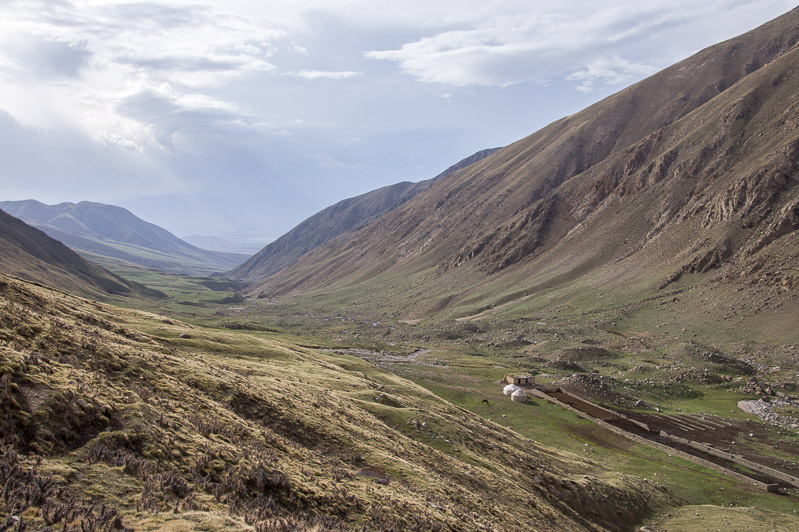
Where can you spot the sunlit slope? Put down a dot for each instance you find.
(133, 418)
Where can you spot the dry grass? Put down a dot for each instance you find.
(117, 423)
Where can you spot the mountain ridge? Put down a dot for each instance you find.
(615, 164)
(31, 254)
(104, 231)
(341, 218)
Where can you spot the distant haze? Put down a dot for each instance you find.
(220, 244)
(240, 121)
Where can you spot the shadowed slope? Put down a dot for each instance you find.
(28, 253)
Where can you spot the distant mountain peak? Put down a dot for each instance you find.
(111, 232)
(29, 253)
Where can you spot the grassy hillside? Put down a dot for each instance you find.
(116, 418)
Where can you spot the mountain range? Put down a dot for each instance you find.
(692, 171)
(106, 233)
(661, 204)
(30, 254)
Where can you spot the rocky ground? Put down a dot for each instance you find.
(767, 410)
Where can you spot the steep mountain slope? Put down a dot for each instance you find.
(343, 217)
(690, 170)
(463, 163)
(114, 418)
(28, 253)
(105, 231)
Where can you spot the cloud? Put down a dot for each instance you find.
(325, 161)
(239, 126)
(612, 70)
(545, 41)
(39, 57)
(299, 48)
(113, 139)
(166, 112)
(90, 65)
(75, 167)
(322, 74)
(182, 63)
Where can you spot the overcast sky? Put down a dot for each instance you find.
(240, 121)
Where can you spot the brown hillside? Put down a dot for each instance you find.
(344, 217)
(687, 171)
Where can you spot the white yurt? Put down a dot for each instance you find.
(509, 389)
(519, 396)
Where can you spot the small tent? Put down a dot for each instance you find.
(519, 396)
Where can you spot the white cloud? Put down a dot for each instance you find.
(325, 161)
(517, 42)
(322, 74)
(239, 125)
(612, 70)
(113, 139)
(77, 63)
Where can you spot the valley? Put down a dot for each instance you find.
(659, 378)
(638, 260)
(139, 370)
(211, 354)
(131, 419)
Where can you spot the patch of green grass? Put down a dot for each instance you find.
(188, 297)
(558, 428)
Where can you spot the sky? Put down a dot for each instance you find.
(239, 119)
